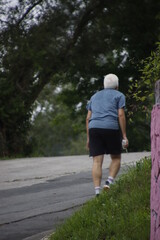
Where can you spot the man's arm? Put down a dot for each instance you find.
(122, 123)
(89, 114)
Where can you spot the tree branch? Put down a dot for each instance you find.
(29, 9)
(88, 15)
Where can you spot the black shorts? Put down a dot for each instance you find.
(104, 141)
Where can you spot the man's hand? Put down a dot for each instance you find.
(126, 143)
(122, 123)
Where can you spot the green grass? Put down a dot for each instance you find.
(123, 213)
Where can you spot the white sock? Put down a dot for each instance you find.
(110, 179)
(97, 190)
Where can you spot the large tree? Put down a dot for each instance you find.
(37, 40)
(65, 41)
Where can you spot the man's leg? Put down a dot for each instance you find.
(115, 165)
(97, 172)
(113, 169)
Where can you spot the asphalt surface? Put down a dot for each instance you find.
(37, 194)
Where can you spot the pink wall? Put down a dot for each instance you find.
(155, 173)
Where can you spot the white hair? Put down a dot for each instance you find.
(111, 81)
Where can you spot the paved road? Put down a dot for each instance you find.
(36, 194)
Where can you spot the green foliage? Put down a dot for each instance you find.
(142, 90)
(53, 132)
(77, 145)
(139, 132)
(121, 213)
(140, 98)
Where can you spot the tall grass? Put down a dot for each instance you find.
(123, 213)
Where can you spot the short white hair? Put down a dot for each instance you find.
(111, 81)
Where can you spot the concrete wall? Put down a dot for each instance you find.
(155, 173)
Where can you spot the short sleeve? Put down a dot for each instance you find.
(88, 106)
(121, 102)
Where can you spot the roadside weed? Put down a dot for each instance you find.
(123, 213)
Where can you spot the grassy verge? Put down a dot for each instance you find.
(123, 213)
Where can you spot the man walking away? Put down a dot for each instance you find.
(106, 127)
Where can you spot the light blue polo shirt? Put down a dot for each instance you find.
(104, 106)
